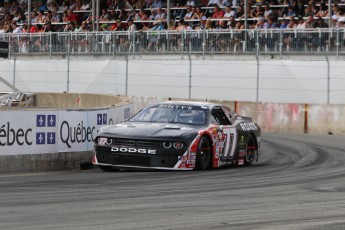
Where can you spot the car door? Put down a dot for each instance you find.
(228, 131)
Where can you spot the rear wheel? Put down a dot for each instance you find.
(108, 168)
(250, 150)
(203, 156)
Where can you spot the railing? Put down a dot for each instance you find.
(307, 41)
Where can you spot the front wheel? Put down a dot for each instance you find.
(250, 150)
(203, 155)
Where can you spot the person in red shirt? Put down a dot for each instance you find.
(71, 17)
(218, 13)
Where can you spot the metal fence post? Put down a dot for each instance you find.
(190, 76)
(14, 71)
(328, 80)
(68, 60)
(257, 77)
(126, 92)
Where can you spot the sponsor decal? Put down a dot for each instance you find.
(79, 134)
(133, 150)
(248, 126)
(102, 119)
(10, 136)
(183, 107)
(242, 153)
(127, 113)
(43, 121)
(40, 138)
(51, 138)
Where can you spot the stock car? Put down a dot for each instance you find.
(178, 135)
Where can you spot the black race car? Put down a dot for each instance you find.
(179, 135)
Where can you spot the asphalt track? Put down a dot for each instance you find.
(298, 184)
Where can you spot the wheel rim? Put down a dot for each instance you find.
(250, 151)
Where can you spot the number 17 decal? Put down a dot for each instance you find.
(230, 142)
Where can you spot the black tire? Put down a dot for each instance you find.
(108, 168)
(250, 150)
(203, 155)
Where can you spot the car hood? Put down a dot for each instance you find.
(147, 130)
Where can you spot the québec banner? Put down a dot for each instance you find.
(49, 131)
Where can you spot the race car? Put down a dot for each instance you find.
(179, 135)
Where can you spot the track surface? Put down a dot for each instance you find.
(298, 184)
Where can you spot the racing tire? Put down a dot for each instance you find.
(108, 168)
(250, 151)
(203, 155)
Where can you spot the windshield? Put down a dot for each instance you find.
(181, 114)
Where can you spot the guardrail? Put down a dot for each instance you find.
(274, 41)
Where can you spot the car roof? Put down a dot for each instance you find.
(209, 105)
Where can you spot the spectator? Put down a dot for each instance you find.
(160, 14)
(72, 5)
(71, 17)
(341, 23)
(131, 26)
(261, 24)
(309, 10)
(153, 14)
(51, 4)
(64, 7)
(112, 16)
(55, 16)
(34, 16)
(323, 10)
(41, 6)
(334, 21)
(104, 15)
(299, 8)
(40, 17)
(190, 3)
(85, 5)
(119, 26)
(336, 10)
(309, 23)
(240, 12)
(232, 22)
(257, 12)
(320, 23)
(78, 5)
(6, 20)
(228, 11)
(16, 29)
(141, 16)
(65, 17)
(283, 24)
(291, 11)
(190, 13)
(300, 23)
(202, 24)
(198, 13)
(267, 10)
(218, 13)
(157, 4)
(214, 3)
(48, 27)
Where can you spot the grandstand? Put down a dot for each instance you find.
(77, 27)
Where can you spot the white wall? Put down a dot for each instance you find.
(281, 81)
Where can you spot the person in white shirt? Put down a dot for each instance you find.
(228, 11)
(16, 29)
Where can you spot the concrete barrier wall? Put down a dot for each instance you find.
(52, 138)
(281, 117)
(300, 80)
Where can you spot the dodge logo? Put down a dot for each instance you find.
(133, 150)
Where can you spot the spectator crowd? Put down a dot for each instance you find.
(132, 15)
